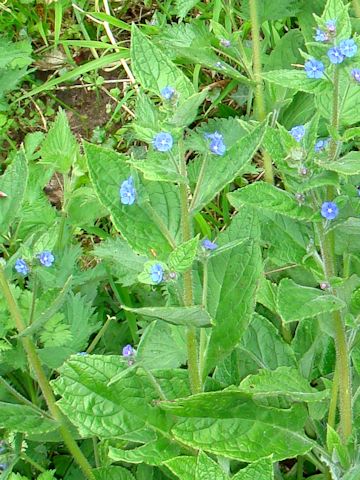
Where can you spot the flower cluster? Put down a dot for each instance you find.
(217, 145)
(46, 259)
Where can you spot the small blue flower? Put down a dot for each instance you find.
(127, 192)
(163, 142)
(329, 210)
(217, 145)
(156, 273)
(314, 68)
(225, 43)
(335, 55)
(348, 48)
(128, 351)
(219, 65)
(82, 354)
(297, 132)
(321, 36)
(22, 267)
(355, 73)
(167, 92)
(321, 144)
(209, 245)
(46, 258)
(331, 26)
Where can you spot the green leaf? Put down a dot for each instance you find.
(21, 418)
(221, 170)
(269, 10)
(266, 197)
(112, 473)
(154, 70)
(232, 281)
(261, 470)
(285, 382)
(162, 345)
(15, 54)
(182, 258)
(121, 260)
(336, 10)
(227, 422)
(201, 467)
(152, 453)
(296, 80)
(158, 167)
(152, 219)
(296, 302)
(187, 111)
(347, 165)
(183, 7)
(195, 316)
(59, 149)
(13, 184)
(56, 332)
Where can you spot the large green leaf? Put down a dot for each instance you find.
(13, 184)
(21, 418)
(296, 80)
(195, 316)
(261, 470)
(347, 165)
(154, 70)
(232, 280)
(227, 422)
(284, 381)
(112, 473)
(266, 197)
(221, 170)
(296, 302)
(268, 10)
(152, 219)
(201, 467)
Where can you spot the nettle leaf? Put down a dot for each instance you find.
(195, 316)
(336, 10)
(285, 382)
(181, 259)
(112, 473)
(186, 112)
(296, 80)
(59, 149)
(227, 422)
(261, 470)
(201, 467)
(296, 302)
(232, 281)
(13, 183)
(121, 260)
(266, 197)
(347, 165)
(154, 70)
(153, 221)
(221, 170)
(159, 167)
(183, 7)
(21, 418)
(270, 11)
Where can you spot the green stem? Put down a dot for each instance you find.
(96, 452)
(44, 385)
(203, 335)
(191, 340)
(299, 468)
(160, 223)
(100, 334)
(123, 297)
(32, 462)
(259, 88)
(199, 182)
(335, 113)
(334, 399)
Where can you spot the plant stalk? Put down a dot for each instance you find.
(191, 340)
(44, 385)
(259, 88)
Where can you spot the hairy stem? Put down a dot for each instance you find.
(191, 340)
(259, 88)
(44, 385)
(334, 399)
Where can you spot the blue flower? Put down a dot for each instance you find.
(355, 73)
(321, 36)
(127, 192)
(209, 245)
(348, 48)
(335, 55)
(219, 65)
(331, 25)
(46, 258)
(297, 132)
(163, 142)
(329, 210)
(217, 145)
(321, 144)
(167, 92)
(225, 43)
(156, 273)
(314, 68)
(82, 354)
(22, 267)
(128, 351)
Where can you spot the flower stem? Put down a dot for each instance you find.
(44, 385)
(191, 340)
(259, 88)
